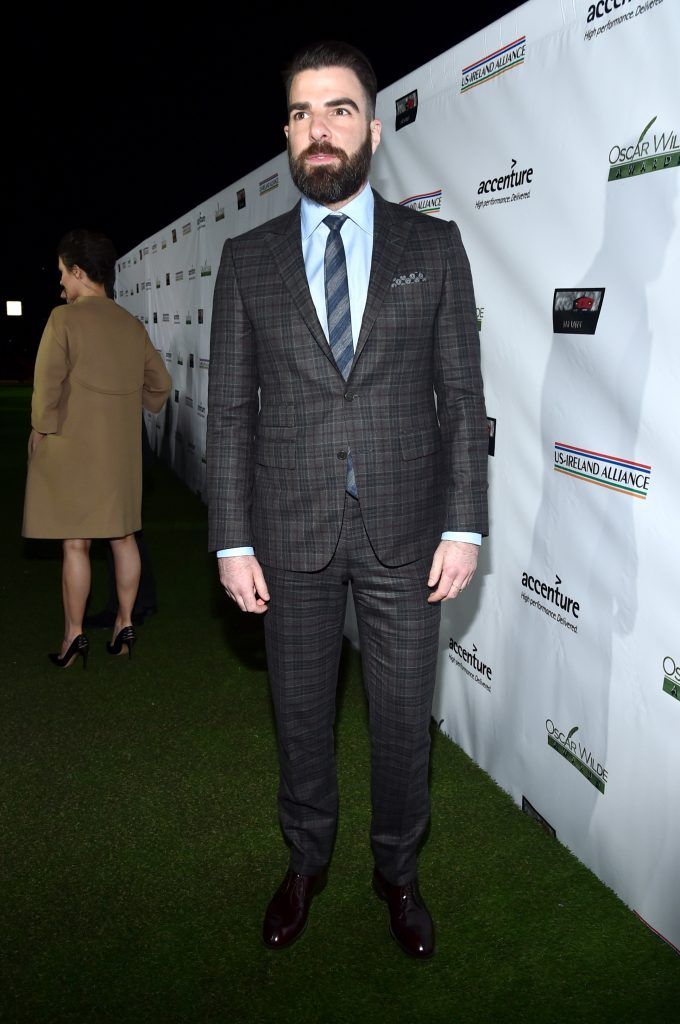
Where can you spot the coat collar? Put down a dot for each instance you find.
(390, 234)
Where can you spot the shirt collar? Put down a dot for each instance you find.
(359, 210)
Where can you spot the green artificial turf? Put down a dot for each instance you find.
(140, 842)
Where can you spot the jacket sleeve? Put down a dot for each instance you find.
(51, 370)
(157, 380)
(460, 395)
(232, 411)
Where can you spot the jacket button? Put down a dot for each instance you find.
(342, 455)
(349, 396)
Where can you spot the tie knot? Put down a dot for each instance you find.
(334, 221)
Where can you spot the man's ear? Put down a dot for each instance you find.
(285, 130)
(375, 128)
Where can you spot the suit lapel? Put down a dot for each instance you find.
(286, 247)
(389, 238)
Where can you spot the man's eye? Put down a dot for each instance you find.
(298, 115)
(341, 111)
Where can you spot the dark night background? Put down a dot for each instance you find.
(123, 120)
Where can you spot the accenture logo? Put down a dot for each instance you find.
(610, 471)
(552, 595)
(425, 202)
(494, 64)
(470, 664)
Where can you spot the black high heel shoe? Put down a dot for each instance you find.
(79, 645)
(125, 637)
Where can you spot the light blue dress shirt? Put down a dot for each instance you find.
(357, 238)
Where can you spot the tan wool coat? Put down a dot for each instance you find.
(95, 369)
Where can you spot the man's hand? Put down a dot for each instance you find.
(34, 439)
(453, 566)
(241, 577)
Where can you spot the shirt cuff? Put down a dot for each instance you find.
(231, 552)
(468, 538)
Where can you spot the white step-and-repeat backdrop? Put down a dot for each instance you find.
(553, 139)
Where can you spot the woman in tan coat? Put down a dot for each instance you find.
(94, 370)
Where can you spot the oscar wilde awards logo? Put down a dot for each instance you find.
(577, 754)
(470, 664)
(653, 151)
(425, 202)
(610, 471)
(512, 179)
(628, 9)
(494, 64)
(671, 677)
(407, 110)
(576, 310)
(536, 589)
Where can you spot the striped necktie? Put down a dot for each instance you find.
(338, 311)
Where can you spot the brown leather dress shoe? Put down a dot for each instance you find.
(410, 922)
(288, 910)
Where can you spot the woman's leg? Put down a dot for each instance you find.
(127, 566)
(75, 587)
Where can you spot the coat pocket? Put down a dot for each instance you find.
(279, 454)
(414, 446)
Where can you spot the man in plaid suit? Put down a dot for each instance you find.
(347, 315)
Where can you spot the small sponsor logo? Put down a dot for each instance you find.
(203, 363)
(164, 243)
(174, 235)
(168, 357)
(470, 663)
(658, 151)
(671, 677)
(603, 7)
(167, 278)
(206, 269)
(145, 250)
(406, 109)
(154, 248)
(200, 316)
(200, 221)
(512, 179)
(192, 273)
(480, 317)
(610, 471)
(176, 395)
(200, 409)
(158, 282)
(189, 401)
(267, 185)
(166, 318)
(534, 589)
(186, 228)
(191, 358)
(203, 457)
(155, 316)
(241, 199)
(179, 275)
(577, 754)
(219, 213)
(176, 319)
(491, 428)
(425, 202)
(576, 310)
(188, 317)
(494, 64)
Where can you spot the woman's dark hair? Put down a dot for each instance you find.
(331, 54)
(92, 252)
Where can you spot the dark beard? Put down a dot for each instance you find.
(327, 184)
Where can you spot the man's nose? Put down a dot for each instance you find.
(318, 128)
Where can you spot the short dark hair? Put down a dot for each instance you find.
(92, 252)
(333, 54)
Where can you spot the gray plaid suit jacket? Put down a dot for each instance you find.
(277, 468)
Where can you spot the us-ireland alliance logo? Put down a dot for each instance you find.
(610, 471)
